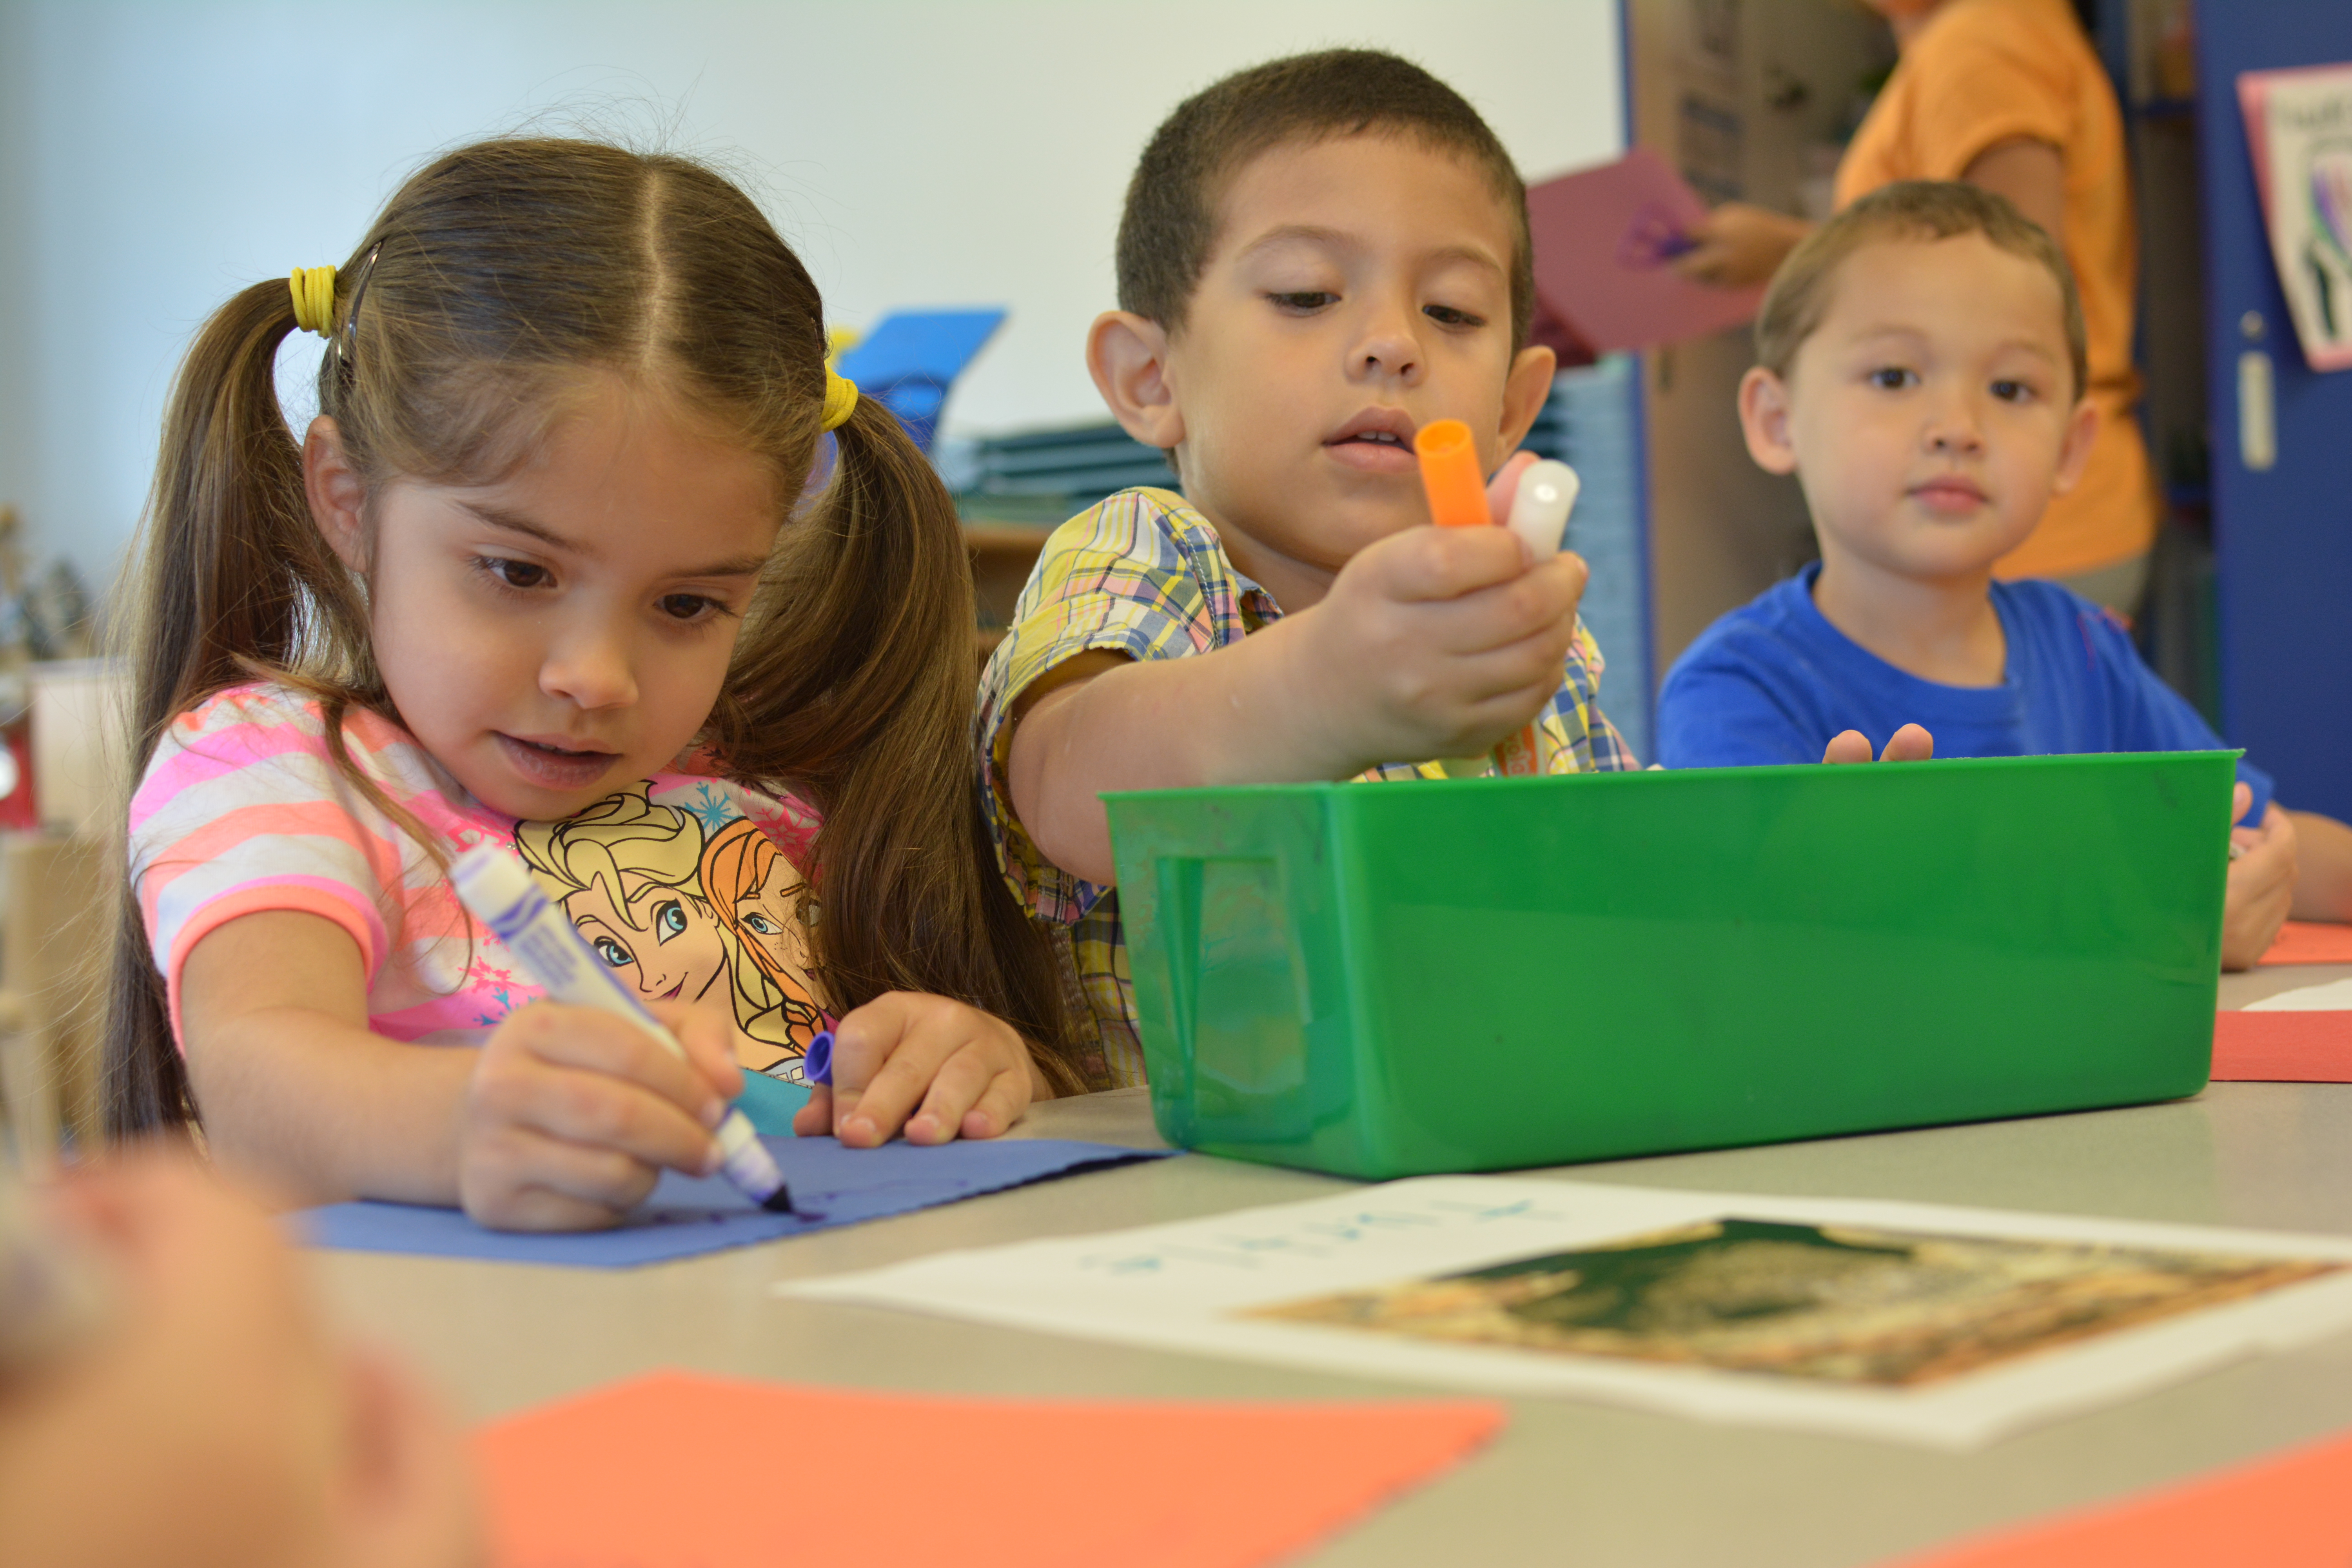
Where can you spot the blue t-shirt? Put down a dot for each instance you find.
(1773, 681)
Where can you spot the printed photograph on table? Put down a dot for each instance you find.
(1916, 1322)
(1833, 1303)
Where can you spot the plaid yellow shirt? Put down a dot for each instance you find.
(1145, 575)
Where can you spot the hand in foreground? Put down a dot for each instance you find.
(212, 1420)
(1436, 642)
(2261, 889)
(932, 1067)
(1909, 744)
(1739, 246)
(571, 1114)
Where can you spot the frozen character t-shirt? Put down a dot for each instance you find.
(690, 886)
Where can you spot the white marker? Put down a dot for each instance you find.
(1539, 509)
(494, 885)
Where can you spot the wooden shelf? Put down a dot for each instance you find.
(1002, 555)
(1007, 538)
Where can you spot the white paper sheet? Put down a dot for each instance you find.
(2336, 996)
(1182, 1286)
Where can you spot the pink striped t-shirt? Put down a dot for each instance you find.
(690, 886)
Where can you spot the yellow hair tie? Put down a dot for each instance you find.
(840, 399)
(314, 298)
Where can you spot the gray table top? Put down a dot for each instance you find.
(1568, 1482)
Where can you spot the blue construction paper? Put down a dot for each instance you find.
(831, 1186)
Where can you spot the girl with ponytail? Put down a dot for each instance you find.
(544, 558)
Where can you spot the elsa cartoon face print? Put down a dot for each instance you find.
(628, 873)
(665, 940)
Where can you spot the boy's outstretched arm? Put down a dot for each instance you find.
(1431, 642)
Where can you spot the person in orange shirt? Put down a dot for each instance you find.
(2007, 94)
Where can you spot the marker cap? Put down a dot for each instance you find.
(1546, 494)
(1450, 476)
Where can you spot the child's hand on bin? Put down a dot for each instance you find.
(2260, 893)
(1909, 744)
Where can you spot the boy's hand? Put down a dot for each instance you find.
(571, 1114)
(1909, 744)
(1435, 642)
(2260, 893)
(934, 1067)
(1430, 643)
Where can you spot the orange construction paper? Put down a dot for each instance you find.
(2286, 1512)
(2282, 1048)
(2311, 942)
(679, 1470)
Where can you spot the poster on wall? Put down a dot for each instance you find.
(2299, 132)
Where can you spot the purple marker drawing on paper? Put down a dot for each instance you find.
(1653, 239)
(1604, 240)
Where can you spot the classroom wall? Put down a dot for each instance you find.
(154, 157)
(1746, 100)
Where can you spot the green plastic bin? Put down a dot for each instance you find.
(1387, 980)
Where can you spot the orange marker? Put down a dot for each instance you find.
(1457, 498)
(1449, 475)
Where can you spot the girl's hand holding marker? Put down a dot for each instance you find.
(501, 895)
(572, 1113)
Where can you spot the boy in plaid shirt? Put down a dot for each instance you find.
(1317, 257)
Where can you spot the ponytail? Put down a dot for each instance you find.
(232, 582)
(225, 520)
(856, 681)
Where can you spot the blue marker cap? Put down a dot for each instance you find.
(817, 1066)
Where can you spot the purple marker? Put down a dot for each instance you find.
(817, 1066)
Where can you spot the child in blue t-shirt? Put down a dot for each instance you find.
(1921, 371)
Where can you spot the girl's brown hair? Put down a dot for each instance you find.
(494, 281)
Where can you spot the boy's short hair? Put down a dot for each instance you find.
(1170, 223)
(1908, 209)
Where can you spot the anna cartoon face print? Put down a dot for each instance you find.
(761, 916)
(758, 894)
